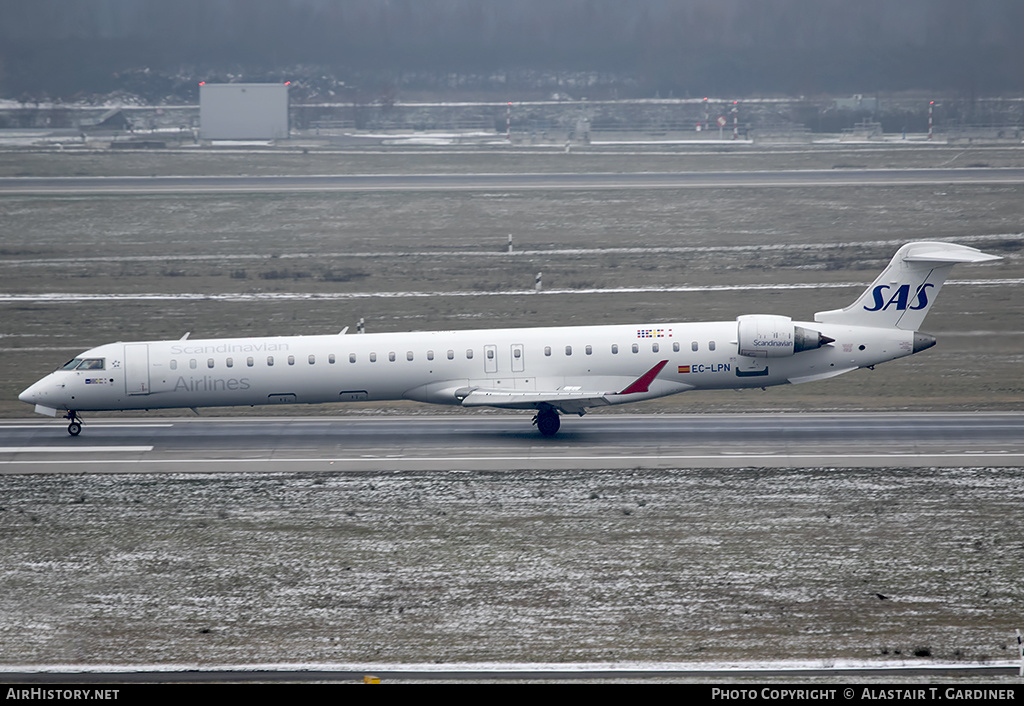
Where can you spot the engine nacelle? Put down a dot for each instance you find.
(771, 336)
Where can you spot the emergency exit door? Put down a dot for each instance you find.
(518, 364)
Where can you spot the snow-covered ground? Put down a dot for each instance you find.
(821, 567)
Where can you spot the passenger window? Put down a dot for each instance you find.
(174, 365)
(655, 348)
(517, 353)
(373, 357)
(711, 345)
(430, 355)
(351, 357)
(675, 347)
(312, 359)
(636, 348)
(615, 349)
(547, 350)
(408, 355)
(291, 360)
(209, 362)
(192, 363)
(590, 350)
(270, 360)
(694, 347)
(331, 359)
(469, 353)
(231, 362)
(568, 350)
(249, 361)
(490, 354)
(451, 355)
(391, 356)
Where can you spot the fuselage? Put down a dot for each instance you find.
(440, 366)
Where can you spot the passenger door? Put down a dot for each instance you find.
(136, 368)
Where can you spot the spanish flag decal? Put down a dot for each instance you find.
(684, 368)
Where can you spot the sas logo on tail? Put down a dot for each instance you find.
(900, 298)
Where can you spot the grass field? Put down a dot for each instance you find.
(812, 565)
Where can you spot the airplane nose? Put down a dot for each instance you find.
(33, 394)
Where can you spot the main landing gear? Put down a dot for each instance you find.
(547, 421)
(75, 427)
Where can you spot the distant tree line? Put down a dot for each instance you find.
(64, 48)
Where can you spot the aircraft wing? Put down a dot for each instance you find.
(568, 400)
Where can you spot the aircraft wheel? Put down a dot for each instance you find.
(74, 428)
(548, 423)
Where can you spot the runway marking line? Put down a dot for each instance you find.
(837, 458)
(94, 425)
(70, 449)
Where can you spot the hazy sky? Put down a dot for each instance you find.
(695, 46)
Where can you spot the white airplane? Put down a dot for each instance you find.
(552, 370)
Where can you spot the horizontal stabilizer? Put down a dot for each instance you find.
(946, 252)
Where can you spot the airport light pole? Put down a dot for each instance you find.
(1020, 651)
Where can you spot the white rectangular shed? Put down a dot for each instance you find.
(243, 111)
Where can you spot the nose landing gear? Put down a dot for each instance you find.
(75, 427)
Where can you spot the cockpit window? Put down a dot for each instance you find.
(84, 364)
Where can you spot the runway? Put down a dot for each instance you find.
(506, 182)
(679, 673)
(507, 442)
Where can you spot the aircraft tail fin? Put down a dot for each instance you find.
(902, 295)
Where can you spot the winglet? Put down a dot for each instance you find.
(642, 383)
